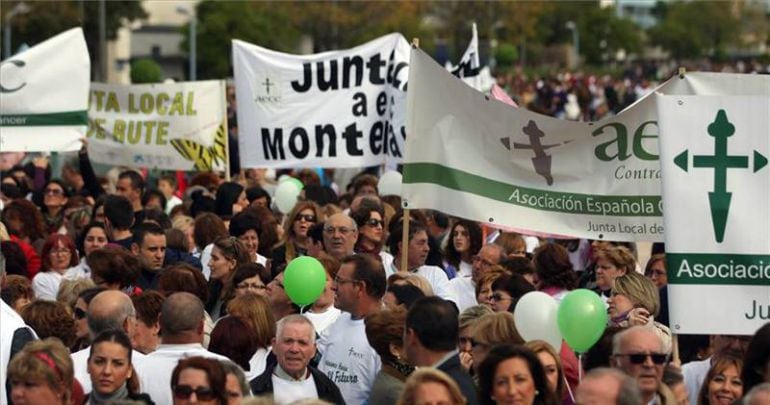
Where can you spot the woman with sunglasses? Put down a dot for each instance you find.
(295, 240)
(198, 380)
(80, 313)
(369, 217)
(112, 374)
(55, 197)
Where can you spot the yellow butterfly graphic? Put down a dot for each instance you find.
(205, 158)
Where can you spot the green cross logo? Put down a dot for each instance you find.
(720, 161)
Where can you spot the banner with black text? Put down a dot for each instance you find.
(332, 109)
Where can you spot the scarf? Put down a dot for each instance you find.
(95, 398)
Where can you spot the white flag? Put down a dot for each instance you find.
(44, 95)
(469, 67)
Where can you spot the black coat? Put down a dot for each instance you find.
(455, 370)
(327, 390)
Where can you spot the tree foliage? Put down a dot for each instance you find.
(48, 18)
(696, 29)
(146, 71)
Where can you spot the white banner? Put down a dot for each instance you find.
(44, 95)
(333, 109)
(477, 158)
(716, 189)
(170, 126)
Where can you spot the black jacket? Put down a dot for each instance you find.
(455, 370)
(326, 389)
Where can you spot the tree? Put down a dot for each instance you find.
(146, 71)
(49, 18)
(696, 29)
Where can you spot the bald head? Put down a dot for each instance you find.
(181, 317)
(608, 386)
(110, 310)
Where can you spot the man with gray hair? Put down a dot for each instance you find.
(293, 378)
(759, 395)
(109, 310)
(340, 235)
(181, 329)
(638, 351)
(608, 386)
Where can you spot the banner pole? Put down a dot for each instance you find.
(405, 219)
(675, 349)
(227, 131)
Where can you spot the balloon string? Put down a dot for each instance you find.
(302, 309)
(569, 389)
(580, 367)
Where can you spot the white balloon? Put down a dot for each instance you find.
(390, 183)
(283, 178)
(286, 196)
(535, 318)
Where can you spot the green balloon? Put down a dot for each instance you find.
(582, 318)
(304, 280)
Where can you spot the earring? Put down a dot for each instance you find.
(537, 392)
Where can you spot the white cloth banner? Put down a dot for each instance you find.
(44, 95)
(477, 158)
(170, 126)
(333, 109)
(716, 192)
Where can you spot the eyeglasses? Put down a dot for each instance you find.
(253, 286)
(341, 280)
(466, 341)
(498, 297)
(186, 391)
(80, 313)
(375, 222)
(53, 191)
(330, 230)
(306, 218)
(640, 358)
(60, 251)
(475, 344)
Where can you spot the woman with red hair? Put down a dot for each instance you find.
(58, 255)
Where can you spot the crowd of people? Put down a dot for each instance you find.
(171, 290)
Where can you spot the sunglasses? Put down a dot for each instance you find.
(53, 191)
(374, 222)
(640, 358)
(306, 218)
(80, 314)
(186, 391)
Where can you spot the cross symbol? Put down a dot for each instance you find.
(720, 161)
(541, 161)
(267, 83)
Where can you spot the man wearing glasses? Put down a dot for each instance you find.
(340, 235)
(638, 351)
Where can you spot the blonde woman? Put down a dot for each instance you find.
(428, 385)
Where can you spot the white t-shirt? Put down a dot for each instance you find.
(257, 363)
(694, 373)
(347, 359)
(171, 203)
(11, 322)
(81, 271)
(157, 367)
(435, 275)
(324, 319)
(205, 258)
(46, 285)
(465, 291)
(286, 392)
(80, 366)
(465, 269)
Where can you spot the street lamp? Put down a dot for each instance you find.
(575, 39)
(192, 35)
(21, 8)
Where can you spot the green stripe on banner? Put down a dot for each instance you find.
(570, 203)
(718, 268)
(66, 118)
